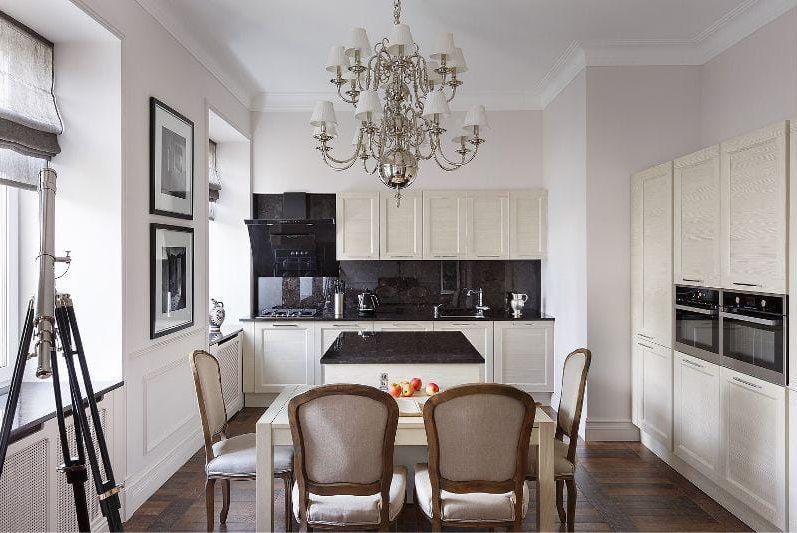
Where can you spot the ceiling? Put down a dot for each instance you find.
(518, 51)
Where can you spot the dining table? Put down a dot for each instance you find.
(273, 429)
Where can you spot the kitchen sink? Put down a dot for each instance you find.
(459, 313)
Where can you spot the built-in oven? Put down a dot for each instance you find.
(755, 334)
(697, 322)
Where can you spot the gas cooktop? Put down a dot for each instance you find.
(288, 313)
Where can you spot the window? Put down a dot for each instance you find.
(9, 281)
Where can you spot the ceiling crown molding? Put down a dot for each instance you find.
(232, 80)
(305, 101)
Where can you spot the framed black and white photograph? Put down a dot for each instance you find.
(171, 161)
(171, 279)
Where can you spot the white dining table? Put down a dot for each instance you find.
(273, 429)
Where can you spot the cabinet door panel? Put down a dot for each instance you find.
(528, 224)
(480, 336)
(754, 438)
(656, 374)
(401, 228)
(283, 356)
(754, 212)
(697, 414)
(444, 225)
(523, 354)
(697, 217)
(229, 356)
(357, 226)
(488, 225)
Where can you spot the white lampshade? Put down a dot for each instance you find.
(369, 107)
(323, 113)
(358, 42)
(337, 59)
(444, 46)
(332, 131)
(400, 36)
(433, 76)
(476, 117)
(436, 104)
(456, 61)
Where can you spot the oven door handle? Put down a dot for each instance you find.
(752, 319)
(699, 310)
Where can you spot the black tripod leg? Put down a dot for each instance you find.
(16, 385)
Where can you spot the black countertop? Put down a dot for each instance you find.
(220, 337)
(410, 314)
(37, 403)
(402, 347)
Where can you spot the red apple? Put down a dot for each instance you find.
(394, 390)
(432, 389)
(416, 383)
(407, 389)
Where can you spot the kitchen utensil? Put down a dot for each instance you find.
(517, 303)
(367, 302)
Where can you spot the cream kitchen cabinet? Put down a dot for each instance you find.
(444, 225)
(357, 225)
(523, 355)
(755, 210)
(697, 218)
(480, 334)
(792, 398)
(528, 224)
(792, 262)
(325, 335)
(404, 326)
(753, 436)
(696, 414)
(651, 254)
(653, 389)
(487, 225)
(283, 355)
(229, 354)
(401, 228)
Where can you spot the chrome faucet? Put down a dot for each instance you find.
(480, 307)
(437, 309)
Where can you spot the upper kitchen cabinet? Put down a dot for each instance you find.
(528, 224)
(651, 254)
(793, 267)
(444, 225)
(401, 228)
(488, 225)
(755, 210)
(696, 207)
(357, 225)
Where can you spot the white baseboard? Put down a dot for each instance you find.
(611, 430)
(737, 508)
(142, 485)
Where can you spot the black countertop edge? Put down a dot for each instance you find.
(220, 337)
(408, 315)
(402, 348)
(37, 404)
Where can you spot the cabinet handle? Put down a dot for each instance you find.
(343, 325)
(746, 382)
(645, 336)
(692, 280)
(284, 326)
(646, 346)
(692, 363)
(746, 284)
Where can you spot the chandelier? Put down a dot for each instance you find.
(399, 99)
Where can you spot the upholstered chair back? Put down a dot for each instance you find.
(207, 383)
(574, 383)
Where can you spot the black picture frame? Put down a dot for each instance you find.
(154, 296)
(156, 206)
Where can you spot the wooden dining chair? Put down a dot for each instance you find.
(232, 458)
(568, 420)
(343, 437)
(478, 438)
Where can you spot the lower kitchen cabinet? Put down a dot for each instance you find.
(696, 414)
(753, 443)
(479, 334)
(325, 335)
(283, 355)
(653, 389)
(404, 326)
(229, 354)
(523, 355)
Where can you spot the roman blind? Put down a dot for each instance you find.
(29, 118)
(214, 180)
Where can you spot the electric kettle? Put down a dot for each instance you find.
(367, 302)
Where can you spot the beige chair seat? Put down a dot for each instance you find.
(471, 507)
(561, 466)
(346, 510)
(237, 456)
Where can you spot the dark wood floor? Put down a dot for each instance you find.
(622, 487)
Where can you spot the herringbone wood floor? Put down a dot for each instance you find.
(622, 487)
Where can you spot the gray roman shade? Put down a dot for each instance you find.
(214, 180)
(29, 119)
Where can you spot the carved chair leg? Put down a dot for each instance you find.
(210, 485)
(560, 497)
(288, 502)
(225, 500)
(571, 504)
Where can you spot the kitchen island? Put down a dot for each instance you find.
(379, 358)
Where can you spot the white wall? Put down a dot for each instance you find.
(752, 84)
(564, 274)
(229, 261)
(636, 117)
(285, 158)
